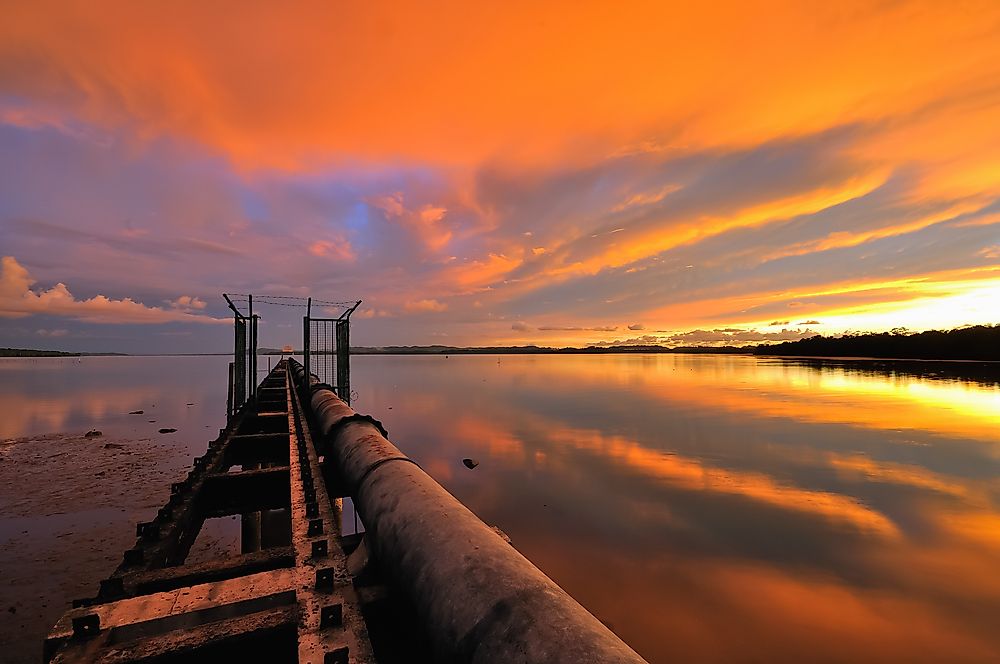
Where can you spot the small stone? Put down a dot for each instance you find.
(470, 463)
(167, 430)
(93, 433)
(135, 412)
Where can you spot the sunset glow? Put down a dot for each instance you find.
(525, 173)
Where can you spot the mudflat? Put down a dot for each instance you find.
(68, 508)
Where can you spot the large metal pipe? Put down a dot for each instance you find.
(480, 600)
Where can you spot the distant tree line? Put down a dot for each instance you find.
(30, 352)
(24, 352)
(540, 350)
(980, 342)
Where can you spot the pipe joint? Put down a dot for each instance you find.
(356, 417)
(368, 471)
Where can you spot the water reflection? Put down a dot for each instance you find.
(728, 509)
(41, 396)
(69, 504)
(710, 509)
(982, 373)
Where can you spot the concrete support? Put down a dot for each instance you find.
(249, 532)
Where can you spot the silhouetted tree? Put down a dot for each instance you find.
(980, 342)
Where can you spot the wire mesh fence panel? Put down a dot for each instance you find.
(239, 374)
(323, 350)
(325, 343)
(327, 350)
(343, 334)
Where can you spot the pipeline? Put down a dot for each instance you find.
(480, 600)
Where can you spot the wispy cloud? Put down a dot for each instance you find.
(845, 185)
(577, 328)
(426, 305)
(427, 222)
(340, 249)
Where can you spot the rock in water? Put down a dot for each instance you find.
(470, 463)
(93, 433)
(167, 430)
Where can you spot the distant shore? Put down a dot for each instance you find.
(976, 343)
(28, 352)
(980, 343)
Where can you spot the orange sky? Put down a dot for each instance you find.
(481, 173)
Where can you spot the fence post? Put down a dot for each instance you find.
(253, 356)
(305, 347)
(240, 357)
(229, 396)
(343, 332)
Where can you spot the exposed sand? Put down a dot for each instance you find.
(68, 509)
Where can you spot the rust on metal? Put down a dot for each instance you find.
(476, 598)
(260, 604)
(426, 581)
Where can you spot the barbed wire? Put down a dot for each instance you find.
(301, 302)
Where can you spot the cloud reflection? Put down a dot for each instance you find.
(795, 523)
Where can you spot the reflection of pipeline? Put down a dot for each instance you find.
(479, 599)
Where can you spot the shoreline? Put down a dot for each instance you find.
(523, 351)
(69, 505)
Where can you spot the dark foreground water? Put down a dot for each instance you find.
(708, 509)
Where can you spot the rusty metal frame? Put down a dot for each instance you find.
(243, 368)
(298, 598)
(333, 365)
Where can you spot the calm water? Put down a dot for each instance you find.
(709, 509)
